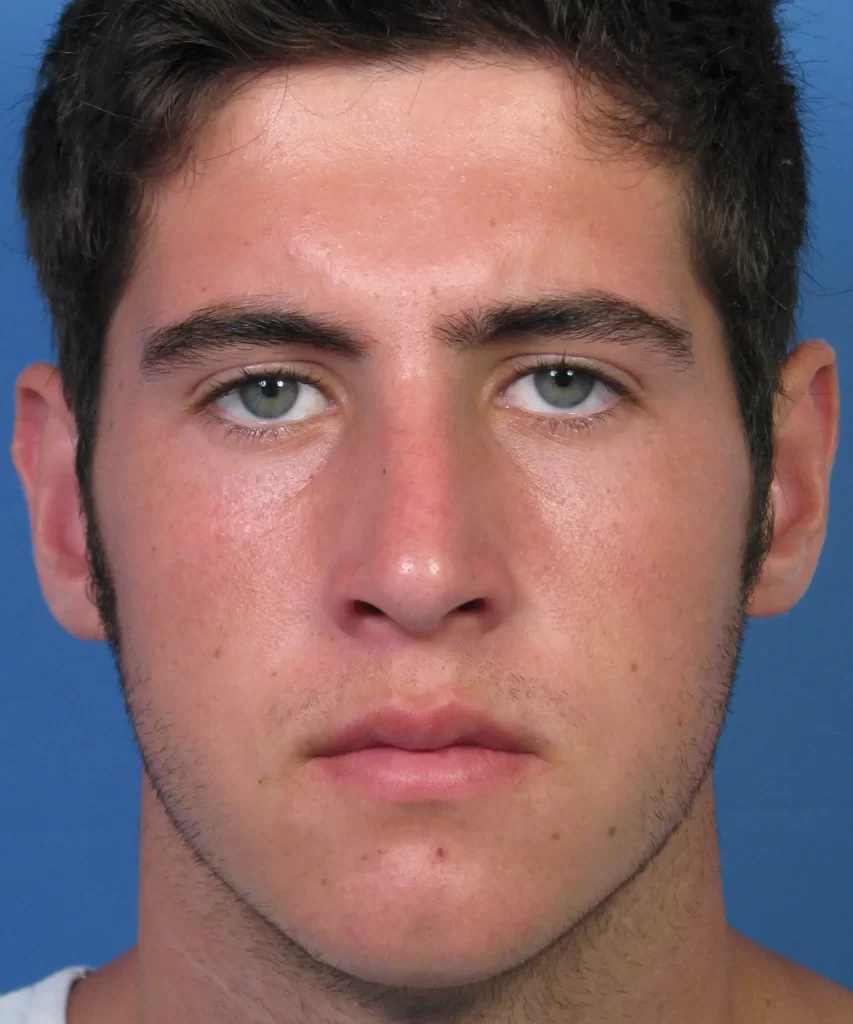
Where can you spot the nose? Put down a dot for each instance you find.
(421, 546)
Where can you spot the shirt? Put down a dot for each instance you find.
(46, 1002)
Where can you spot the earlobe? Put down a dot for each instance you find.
(806, 437)
(43, 450)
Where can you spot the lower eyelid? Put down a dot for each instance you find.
(615, 389)
(259, 427)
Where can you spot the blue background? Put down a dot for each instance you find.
(70, 774)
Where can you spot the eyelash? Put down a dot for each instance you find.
(555, 424)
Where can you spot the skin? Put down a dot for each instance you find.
(605, 563)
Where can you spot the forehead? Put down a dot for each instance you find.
(446, 177)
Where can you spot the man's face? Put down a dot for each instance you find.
(426, 522)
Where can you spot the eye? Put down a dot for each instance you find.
(557, 386)
(270, 397)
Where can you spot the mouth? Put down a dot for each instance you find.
(402, 756)
(449, 726)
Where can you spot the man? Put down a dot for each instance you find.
(426, 425)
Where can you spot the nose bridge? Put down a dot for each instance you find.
(421, 516)
(421, 474)
(418, 535)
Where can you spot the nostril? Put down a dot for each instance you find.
(472, 606)
(367, 609)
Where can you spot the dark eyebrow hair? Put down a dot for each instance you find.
(589, 316)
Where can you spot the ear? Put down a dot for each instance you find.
(43, 450)
(806, 436)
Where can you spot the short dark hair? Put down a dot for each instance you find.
(125, 86)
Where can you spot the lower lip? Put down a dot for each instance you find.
(390, 773)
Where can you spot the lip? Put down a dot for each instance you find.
(455, 773)
(452, 725)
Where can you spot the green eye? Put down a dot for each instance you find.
(271, 398)
(563, 387)
(556, 386)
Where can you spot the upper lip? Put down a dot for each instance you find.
(450, 725)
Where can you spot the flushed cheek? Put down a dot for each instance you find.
(635, 519)
(205, 548)
(638, 550)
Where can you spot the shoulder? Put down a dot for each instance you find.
(771, 988)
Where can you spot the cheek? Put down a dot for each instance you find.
(651, 515)
(637, 567)
(208, 552)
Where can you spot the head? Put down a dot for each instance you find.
(347, 202)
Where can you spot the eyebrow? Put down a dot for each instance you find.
(586, 317)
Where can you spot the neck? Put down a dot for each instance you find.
(657, 952)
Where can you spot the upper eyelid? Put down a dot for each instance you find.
(315, 378)
(545, 362)
(247, 375)
(225, 386)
